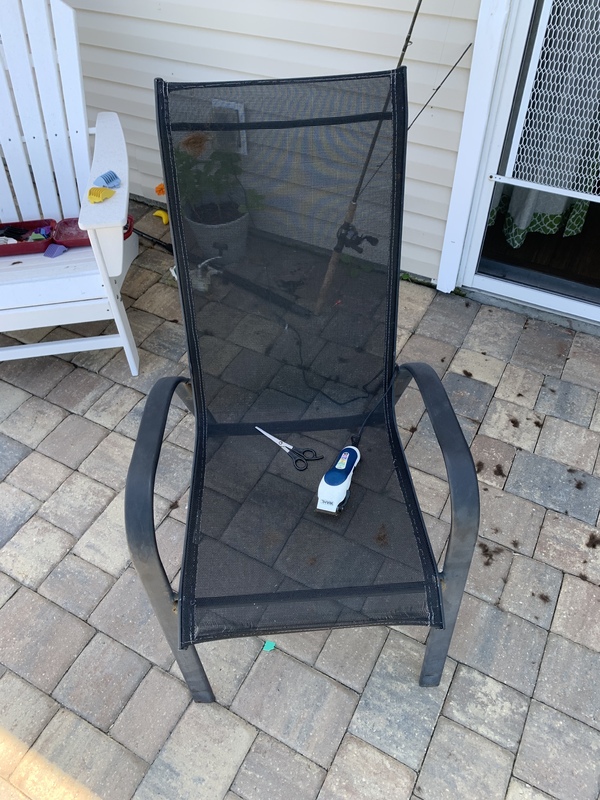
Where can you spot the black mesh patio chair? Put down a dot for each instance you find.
(285, 202)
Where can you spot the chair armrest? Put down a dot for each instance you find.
(464, 497)
(462, 477)
(110, 153)
(139, 488)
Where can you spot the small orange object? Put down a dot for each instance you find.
(160, 189)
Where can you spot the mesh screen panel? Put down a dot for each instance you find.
(282, 336)
(560, 141)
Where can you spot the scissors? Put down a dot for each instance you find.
(299, 457)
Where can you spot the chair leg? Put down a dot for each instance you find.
(126, 334)
(163, 602)
(454, 577)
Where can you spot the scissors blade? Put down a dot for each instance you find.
(287, 447)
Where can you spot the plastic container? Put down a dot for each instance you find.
(23, 247)
(69, 234)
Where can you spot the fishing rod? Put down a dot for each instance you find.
(436, 90)
(347, 233)
(346, 226)
(423, 107)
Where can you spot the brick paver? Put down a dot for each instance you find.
(487, 707)
(76, 585)
(227, 666)
(11, 398)
(559, 755)
(54, 638)
(38, 475)
(72, 758)
(32, 421)
(460, 763)
(566, 401)
(570, 545)
(275, 771)
(206, 734)
(78, 391)
(72, 441)
(101, 680)
(114, 404)
(362, 771)
(583, 365)
(25, 712)
(577, 613)
(35, 375)
(91, 701)
(531, 590)
(34, 551)
(16, 507)
(76, 504)
(306, 710)
(567, 680)
(543, 347)
(520, 386)
(137, 629)
(495, 332)
(394, 713)
(168, 699)
(502, 645)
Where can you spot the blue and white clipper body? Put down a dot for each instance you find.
(334, 489)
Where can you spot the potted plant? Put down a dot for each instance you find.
(216, 204)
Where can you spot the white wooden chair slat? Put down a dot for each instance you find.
(16, 160)
(67, 48)
(8, 210)
(41, 40)
(68, 346)
(18, 59)
(44, 139)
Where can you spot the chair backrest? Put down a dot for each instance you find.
(44, 137)
(293, 330)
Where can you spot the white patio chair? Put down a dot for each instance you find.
(45, 155)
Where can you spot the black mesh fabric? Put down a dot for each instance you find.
(291, 326)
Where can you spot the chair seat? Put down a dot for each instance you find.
(268, 562)
(37, 280)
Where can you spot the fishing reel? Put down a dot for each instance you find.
(348, 236)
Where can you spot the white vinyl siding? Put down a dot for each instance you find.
(125, 44)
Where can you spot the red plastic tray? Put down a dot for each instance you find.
(69, 234)
(25, 248)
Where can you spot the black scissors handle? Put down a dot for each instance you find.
(302, 457)
(310, 455)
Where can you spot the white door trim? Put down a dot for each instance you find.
(500, 39)
(537, 298)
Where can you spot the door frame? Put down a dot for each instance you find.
(501, 37)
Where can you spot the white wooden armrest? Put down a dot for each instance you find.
(110, 153)
(104, 221)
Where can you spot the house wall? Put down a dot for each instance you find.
(125, 44)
